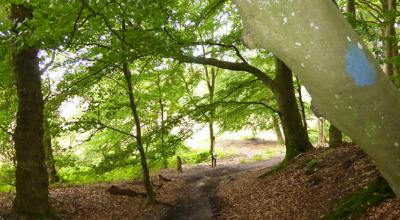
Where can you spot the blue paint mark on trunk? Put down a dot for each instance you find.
(361, 70)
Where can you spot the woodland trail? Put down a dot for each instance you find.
(201, 202)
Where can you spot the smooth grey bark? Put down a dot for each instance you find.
(359, 99)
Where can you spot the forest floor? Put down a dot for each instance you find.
(306, 189)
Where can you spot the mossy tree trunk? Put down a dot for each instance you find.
(296, 137)
(31, 199)
(336, 68)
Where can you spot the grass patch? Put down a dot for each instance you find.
(7, 178)
(85, 175)
(356, 204)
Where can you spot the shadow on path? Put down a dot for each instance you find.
(201, 202)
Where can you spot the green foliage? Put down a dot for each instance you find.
(356, 204)
(196, 156)
(85, 175)
(7, 178)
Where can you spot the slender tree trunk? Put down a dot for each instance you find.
(151, 196)
(335, 137)
(296, 137)
(321, 132)
(31, 200)
(48, 148)
(303, 110)
(160, 101)
(211, 78)
(389, 35)
(277, 128)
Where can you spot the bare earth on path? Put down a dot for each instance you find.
(200, 186)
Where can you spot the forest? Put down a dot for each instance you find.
(199, 109)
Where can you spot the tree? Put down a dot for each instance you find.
(340, 58)
(31, 200)
(390, 47)
(296, 136)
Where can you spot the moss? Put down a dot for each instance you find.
(311, 164)
(356, 204)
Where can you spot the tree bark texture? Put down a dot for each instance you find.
(296, 137)
(359, 99)
(31, 200)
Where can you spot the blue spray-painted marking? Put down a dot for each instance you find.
(361, 70)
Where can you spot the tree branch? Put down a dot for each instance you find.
(244, 103)
(104, 126)
(245, 67)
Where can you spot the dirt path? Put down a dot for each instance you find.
(200, 201)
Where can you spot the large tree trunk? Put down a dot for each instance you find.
(48, 148)
(359, 99)
(335, 135)
(31, 200)
(296, 137)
